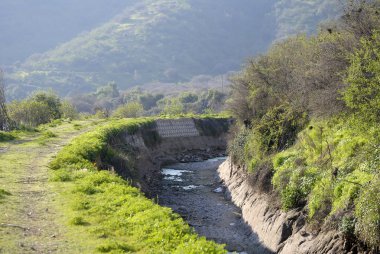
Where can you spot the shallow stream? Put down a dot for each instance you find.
(195, 191)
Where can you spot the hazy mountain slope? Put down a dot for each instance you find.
(295, 16)
(165, 41)
(32, 26)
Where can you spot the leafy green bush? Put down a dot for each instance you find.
(347, 226)
(363, 92)
(129, 110)
(275, 131)
(236, 146)
(3, 194)
(39, 108)
(278, 128)
(78, 221)
(29, 113)
(334, 167)
(367, 211)
(6, 136)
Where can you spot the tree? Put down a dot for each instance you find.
(4, 119)
(131, 109)
(29, 113)
(51, 100)
(40, 108)
(363, 92)
(68, 110)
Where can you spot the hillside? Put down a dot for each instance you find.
(295, 16)
(30, 27)
(166, 41)
(309, 137)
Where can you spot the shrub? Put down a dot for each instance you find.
(363, 92)
(40, 108)
(4, 193)
(347, 226)
(320, 199)
(6, 136)
(278, 128)
(29, 113)
(51, 100)
(68, 110)
(129, 110)
(236, 146)
(367, 211)
(78, 221)
(275, 131)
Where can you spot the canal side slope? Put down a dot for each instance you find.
(98, 174)
(281, 232)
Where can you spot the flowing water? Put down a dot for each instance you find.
(195, 191)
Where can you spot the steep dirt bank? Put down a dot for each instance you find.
(195, 191)
(279, 231)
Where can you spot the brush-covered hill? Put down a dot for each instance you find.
(29, 27)
(160, 40)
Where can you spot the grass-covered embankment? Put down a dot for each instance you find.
(309, 125)
(334, 168)
(105, 213)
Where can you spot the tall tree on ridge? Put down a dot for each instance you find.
(4, 119)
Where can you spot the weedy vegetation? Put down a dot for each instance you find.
(115, 215)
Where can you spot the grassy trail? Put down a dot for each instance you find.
(28, 212)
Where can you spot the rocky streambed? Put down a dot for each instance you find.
(195, 191)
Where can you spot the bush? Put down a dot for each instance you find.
(29, 113)
(275, 131)
(78, 221)
(363, 92)
(3, 194)
(236, 146)
(68, 110)
(51, 100)
(278, 128)
(40, 108)
(367, 211)
(6, 136)
(347, 226)
(129, 110)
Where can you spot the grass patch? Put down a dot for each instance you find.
(3, 194)
(117, 217)
(77, 126)
(45, 136)
(333, 168)
(6, 136)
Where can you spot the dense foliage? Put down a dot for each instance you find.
(39, 108)
(114, 213)
(137, 102)
(309, 109)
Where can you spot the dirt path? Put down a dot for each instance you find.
(28, 216)
(194, 190)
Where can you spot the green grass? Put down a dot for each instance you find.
(331, 167)
(3, 194)
(6, 136)
(26, 159)
(104, 213)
